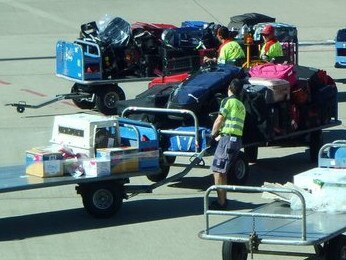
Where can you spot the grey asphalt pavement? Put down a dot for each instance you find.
(51, 223)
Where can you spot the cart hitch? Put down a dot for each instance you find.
(22, 105)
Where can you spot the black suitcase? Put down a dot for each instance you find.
(155, 97)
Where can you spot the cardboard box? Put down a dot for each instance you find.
(44, 162)
(96, 167)
(122, 159)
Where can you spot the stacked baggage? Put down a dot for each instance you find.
(283, 98)
(183, 48)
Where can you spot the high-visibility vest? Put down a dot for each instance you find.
(275, 50)
(234, 113)
(229, 52)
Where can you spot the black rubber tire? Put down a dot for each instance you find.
(239, 171)
(316, 142)
(251, 153)
(103, 199)
(234, 251)
(82, 103)
(107, 97)
(335, 249)
(162, 175)
(337, 65)
(170, 159)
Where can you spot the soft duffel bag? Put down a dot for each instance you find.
(187, 143)
(276, 71)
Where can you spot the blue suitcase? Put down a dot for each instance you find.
(187, 143)
(195, 24)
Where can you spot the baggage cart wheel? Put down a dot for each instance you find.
(337, 65)
(164, 166)
(335, 249)
(107, 97)
(82, 103)
(251, 153)
(103, 199)
(20, 109)
(164, 171)
(234, 251)
(316, 142)
(239, 171)
(170, 159)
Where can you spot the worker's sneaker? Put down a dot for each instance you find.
(217, 206)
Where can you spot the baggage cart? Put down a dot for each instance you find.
(240, 172)
(274, 224)
(103, 187)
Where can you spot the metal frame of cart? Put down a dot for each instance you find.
(102, 196)
(239, 173)
(276, 224)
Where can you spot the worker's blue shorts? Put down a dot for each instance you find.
(226, 152)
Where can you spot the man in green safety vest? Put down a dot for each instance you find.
(229, 51)
(227, 130)
(272, 47)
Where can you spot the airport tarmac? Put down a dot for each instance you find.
(51, 223)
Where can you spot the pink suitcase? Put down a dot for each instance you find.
(275, 71)
(279, 89)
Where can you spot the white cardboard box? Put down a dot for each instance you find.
(96, 167)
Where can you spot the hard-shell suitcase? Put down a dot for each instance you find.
(275, 71)
(156, 97)
(194, 24)
(183, 37)
(279, 89)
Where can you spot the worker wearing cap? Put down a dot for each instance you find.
(229, 51)
(272, 47)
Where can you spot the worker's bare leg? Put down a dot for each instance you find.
(221, 179)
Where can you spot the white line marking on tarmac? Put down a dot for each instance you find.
(40, 13)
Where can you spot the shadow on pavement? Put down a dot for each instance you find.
(343, 81)
(74, 220)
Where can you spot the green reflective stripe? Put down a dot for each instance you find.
(237, 119)
(224, 111)
(234, 126)
(234, 112)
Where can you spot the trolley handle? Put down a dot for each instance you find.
(132, 109)
(323, 159)
(208, 212)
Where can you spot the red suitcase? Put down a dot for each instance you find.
(168, 79)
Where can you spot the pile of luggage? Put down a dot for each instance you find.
(283, 98)
(279, 98)
(147, 49)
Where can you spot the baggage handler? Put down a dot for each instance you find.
(227, 130)
(272, 47)
(229, 51)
